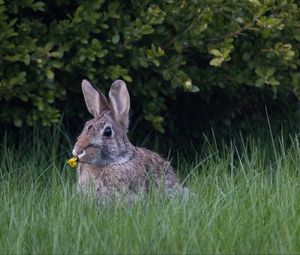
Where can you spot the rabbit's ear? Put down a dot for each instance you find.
(120, 102)
(94, 100)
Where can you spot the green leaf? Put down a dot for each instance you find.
(270, 71)
(40, 105)
(216, 52)
(156, 62)
(127, 78)
(49, 46)
(246, 56)
(259, 71)
(240, 20)
(297, 35)
(18, 122)
(216, 62)
(56, 54)
(259, 83)
(194, 89)
(23, 97)
(50, 74)
(273, 82)
(289, 55)
(115, 38)
(38, 6)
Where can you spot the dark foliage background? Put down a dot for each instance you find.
(189, 65)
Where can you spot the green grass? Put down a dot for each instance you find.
(247, 200)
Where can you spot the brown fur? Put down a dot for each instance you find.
(110, 165)
(132, 178)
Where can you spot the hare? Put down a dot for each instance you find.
(108, 162)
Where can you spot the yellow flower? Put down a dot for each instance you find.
(72, 162)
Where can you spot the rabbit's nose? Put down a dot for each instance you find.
(76, 152)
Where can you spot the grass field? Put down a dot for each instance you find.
(247, 201)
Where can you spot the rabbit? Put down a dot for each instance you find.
(108, 163)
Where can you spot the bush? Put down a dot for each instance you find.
(162, 49)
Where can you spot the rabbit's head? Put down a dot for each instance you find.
(104, 140)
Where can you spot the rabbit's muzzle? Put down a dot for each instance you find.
(78, 152)
(79, 149)
(86, 151)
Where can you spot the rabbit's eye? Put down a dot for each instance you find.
(89, 127)
(107, 131)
